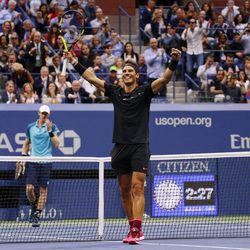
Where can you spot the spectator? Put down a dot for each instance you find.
(32, 8)
(36, 53)
(99, 20)
(86, 57)
(219, 27)
(96, 45)
(77, 94)
(14, 42)
(232, 91)
(238, 49)
(42, 18)
(242, 82)
(71, 35)
(90, 10)
(10, 14)
(247, 66)
(228, 66)
(117, 44)
(193, 35)
(10, 95)
(108, 59)
(98, 68)
(147, 13)
(105, 34)
(78, 48)
(245, 38)
(206, 71)
(52, 35)
(190, 10)
(27, 95)
(143, 80)
(129, 53)
(54, 11)
(56, 67)
(119, 63)
(3, 80)
(155, 59)
(230, 12)
(170, 39)
(217, 87)
(8, 67)
(78, 19)
(180, 22)
(20, 75)
(5, 48)
(111, 78)
(245, 10)
(6, 29)
(221, 48)
(52, 95)
(158, 23)
(62, 83)
(238, 23)
(57, 18)
(210, 15)
(42, 81)
(25, 33)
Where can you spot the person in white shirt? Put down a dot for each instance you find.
(10, 14)
(193, 35)
(206, 72)
(9, 95)
(230, 11)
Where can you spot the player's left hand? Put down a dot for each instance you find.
(176, 54)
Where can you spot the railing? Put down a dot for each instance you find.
(122, 11)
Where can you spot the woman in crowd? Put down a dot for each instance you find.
(129, 53)
(52, 95)
(27, 95)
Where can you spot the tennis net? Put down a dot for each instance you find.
(187, 196)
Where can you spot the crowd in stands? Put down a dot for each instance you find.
(215, 45)
(213, 39)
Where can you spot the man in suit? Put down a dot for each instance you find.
(77, 94)
(9, 95)
(42, 81)
(36, 53)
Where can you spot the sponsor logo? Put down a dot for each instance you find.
(75, 142)
(239, 142)
(165, 167)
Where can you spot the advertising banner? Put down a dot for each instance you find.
(86, 130)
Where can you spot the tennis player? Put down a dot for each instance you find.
(40, 136)
(130, 155)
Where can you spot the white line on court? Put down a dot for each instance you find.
(192, 246)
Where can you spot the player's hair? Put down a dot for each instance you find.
(133, 65)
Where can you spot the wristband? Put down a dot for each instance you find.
(51, 134)
(80, 68)
(24, 154)
(173, 65)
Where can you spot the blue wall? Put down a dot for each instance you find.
(87, 129)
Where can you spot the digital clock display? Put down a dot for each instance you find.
(199, 193)
(184, 195)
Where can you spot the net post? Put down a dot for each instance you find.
(101, 200)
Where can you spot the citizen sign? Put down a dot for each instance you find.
(165, 167)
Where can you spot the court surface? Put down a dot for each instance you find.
(203, 244)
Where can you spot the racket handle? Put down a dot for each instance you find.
(65, 61)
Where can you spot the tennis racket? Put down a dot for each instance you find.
(78, 19)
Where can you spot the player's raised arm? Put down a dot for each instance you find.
(158, 84)
(88, 74)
